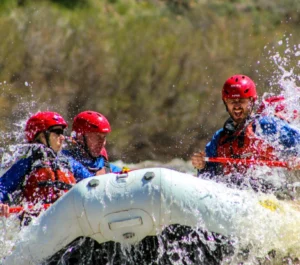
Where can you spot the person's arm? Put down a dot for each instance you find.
(114, 168)
(198, 160)
(12, 178)
(211, 151)
(11, 181)
(282, 136)
(101, 166)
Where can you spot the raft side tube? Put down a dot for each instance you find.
(126, 208)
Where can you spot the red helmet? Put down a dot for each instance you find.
(239, 86)
(90, 121)
(42, 121)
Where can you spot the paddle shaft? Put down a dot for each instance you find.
(17, 209)
(244, 161)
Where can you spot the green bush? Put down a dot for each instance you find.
(154, 68)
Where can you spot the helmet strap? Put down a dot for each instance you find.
(47, 137)
(85, 147)
(225, 105)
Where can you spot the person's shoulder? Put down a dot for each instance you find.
(218, 133)
(213, 143)
(71, 160)
(74, 163)
(66, 152)
(19, 167)
(270, 121)
(271, 125)
(267, 119)
(99, 159)
(72, 153)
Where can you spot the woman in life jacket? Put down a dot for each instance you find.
(89, 131)
(44, 174)
(51, 173)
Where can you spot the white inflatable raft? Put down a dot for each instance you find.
(128, 207)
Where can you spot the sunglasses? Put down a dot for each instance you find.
(57, 131)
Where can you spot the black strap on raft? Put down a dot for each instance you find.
(57, 184)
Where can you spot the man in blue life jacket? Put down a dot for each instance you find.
(247, 136)
(87, 144)
(44, 173)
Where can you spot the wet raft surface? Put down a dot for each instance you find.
(176, 245)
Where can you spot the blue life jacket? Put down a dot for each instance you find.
(92, 164)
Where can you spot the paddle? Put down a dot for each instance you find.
(244, 161)
(17, 209)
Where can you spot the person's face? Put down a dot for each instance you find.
(56, 138)
(239, 108)
(95, 141)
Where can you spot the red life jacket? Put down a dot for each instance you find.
(243, 143)
(45, 185)
(49, 179)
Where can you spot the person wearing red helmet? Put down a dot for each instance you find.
(245, 135)
(87, 146)
(239, 94)
(44, 173)
(277, 105)
(90, 129)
